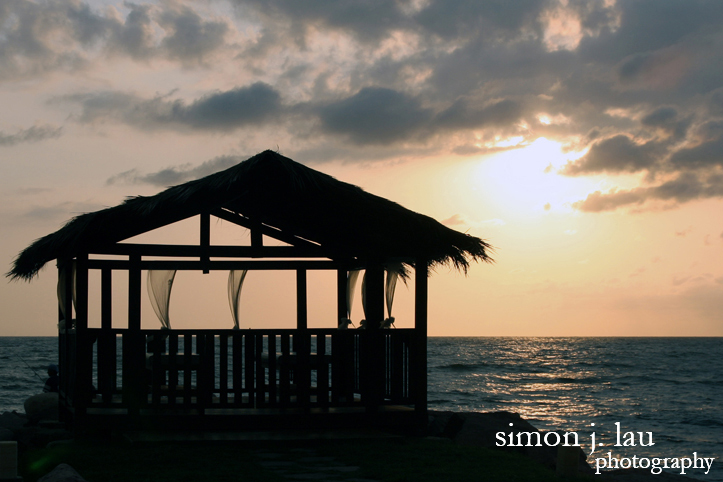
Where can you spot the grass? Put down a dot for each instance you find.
(392, 460)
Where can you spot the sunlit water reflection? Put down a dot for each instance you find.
(671, 387)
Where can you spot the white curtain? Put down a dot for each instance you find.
(389, 290)
(390, 287)
(61, 289)
(235, 283)
(351, 279)
(160, 282)
(364, 294)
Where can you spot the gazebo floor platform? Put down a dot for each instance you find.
(256, 436)
(229, 420)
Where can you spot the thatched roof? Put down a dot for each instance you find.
(274, 190)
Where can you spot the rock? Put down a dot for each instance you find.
(437, 423)
(12, 420)
(643, 475)
(474, 428)
(35, 436)
(62, 473)
(480, 429)
(43, 406)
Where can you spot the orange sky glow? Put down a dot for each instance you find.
(584, 144)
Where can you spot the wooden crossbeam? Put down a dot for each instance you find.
(264, 229)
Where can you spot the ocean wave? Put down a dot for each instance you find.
(460, 366)
(705, 422)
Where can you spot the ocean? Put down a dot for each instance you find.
(664, 394)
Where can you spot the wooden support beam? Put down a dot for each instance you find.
(257, 236)
(84, 342)
(66, 345)
(81, 292)
(68, 271)
(216, 251)
(374, 311)
(372, 342)
(106, 299)
(134, 293)
(205, 241)
(264, 228)
(222, 265)
(301, 300)
(419, 367)
(342, 309)
(134, 362)
(106, 341)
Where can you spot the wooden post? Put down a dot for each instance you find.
(134, 359)
(205, 241)
(342, 347)
(301, 303)
(341, 308)
(84, 350)
(302, 343)
(106, 299)
(66, 338)
(373, 355)
(106, 342)
(134, 294)
(257, 236)
(419, 373)
(374, 311)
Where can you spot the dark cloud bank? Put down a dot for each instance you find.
(638, 83)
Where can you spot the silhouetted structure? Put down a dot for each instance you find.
(127, 377)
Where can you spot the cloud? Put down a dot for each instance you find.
(228, 110)
(462, 220)
(134, 36)
(461, 115)
(368, 21)
(686, 187)
(220, 111)
(31, 134)
(371, 116)
(615, 154)
(38, 38)
(455, 19)
(641, 92)
(175, 175)
(375, 115)
(706, 154)
(666, 119)
(189, 37)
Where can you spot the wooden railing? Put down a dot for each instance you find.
(233, 369)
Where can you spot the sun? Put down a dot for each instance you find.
(526, 180)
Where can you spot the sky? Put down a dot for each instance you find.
(583, 139)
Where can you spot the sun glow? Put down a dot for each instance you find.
(525, 180)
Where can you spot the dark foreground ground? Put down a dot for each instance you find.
(456, 447)
(388, 459)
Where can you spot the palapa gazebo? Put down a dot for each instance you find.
(132, 378)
